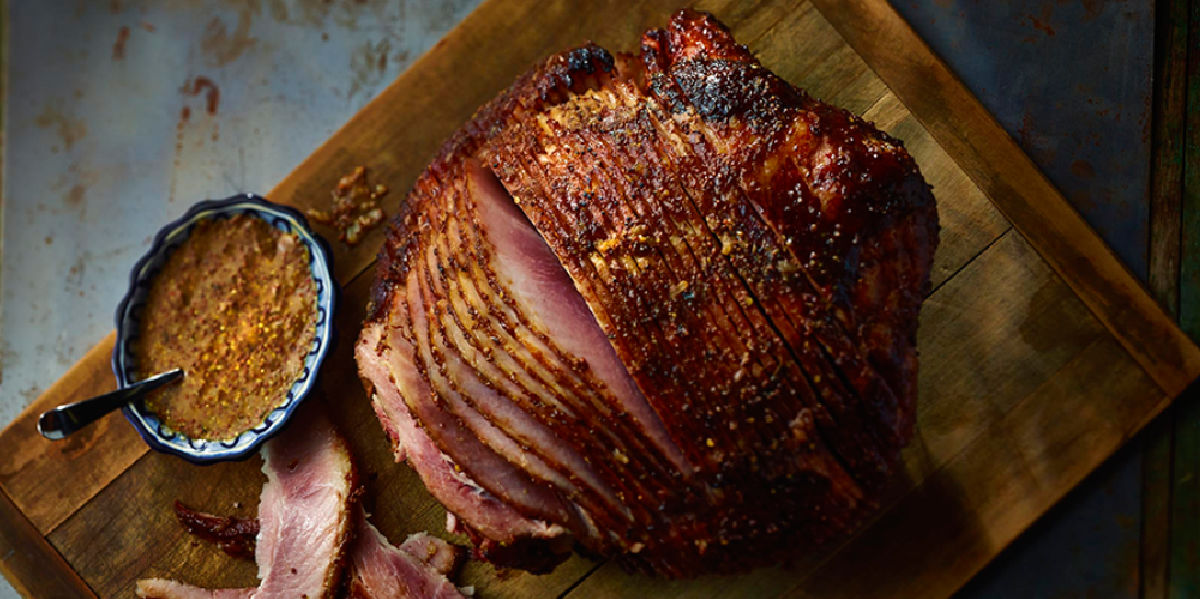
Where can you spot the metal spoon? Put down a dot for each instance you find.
(68, 418)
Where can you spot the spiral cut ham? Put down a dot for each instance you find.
(661, 307)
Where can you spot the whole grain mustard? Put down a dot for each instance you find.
(235, 307)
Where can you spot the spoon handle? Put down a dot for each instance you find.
(68, 418)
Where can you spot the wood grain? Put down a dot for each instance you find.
(1022, 193)
(1184, 567)
(32, 473)
(33, 566)
(1023, 388)
(1166, 162)
(1169, 116)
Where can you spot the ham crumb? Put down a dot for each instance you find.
(355, 209)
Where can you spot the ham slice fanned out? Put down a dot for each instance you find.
(304, 514)
(417, 569)
(663, 306)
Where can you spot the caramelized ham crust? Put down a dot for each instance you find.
(235, 536)
(663, 306)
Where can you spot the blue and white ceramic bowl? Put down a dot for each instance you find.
(148, 424)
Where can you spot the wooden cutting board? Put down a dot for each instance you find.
(1040, 354)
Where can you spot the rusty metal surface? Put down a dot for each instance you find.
(1071, 82)
(121, 114)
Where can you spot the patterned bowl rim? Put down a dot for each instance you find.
(204, 451)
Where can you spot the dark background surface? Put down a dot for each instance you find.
(1074, 83)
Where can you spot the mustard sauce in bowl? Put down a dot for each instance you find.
(239, 294)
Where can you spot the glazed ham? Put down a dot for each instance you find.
(305, 518)
(660, 306)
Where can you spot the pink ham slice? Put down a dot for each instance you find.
(394, 358)
(455, 489)
(417, 569)
(304, 513)
(529, 271)
(390, 369)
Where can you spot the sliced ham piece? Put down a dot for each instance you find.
(390, 371)
(432, 551)
(304, 514)
(417, 569)
(303, 545)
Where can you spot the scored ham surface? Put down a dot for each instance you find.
(662, 306)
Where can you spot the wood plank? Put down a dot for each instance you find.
(1010, 179)
(1030, 333)
(34, 469)
(805, 51)
(1165, 196)
(1184, 568)
(34, 568)
(927, 527)
(138, 529)
(1166, 165)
